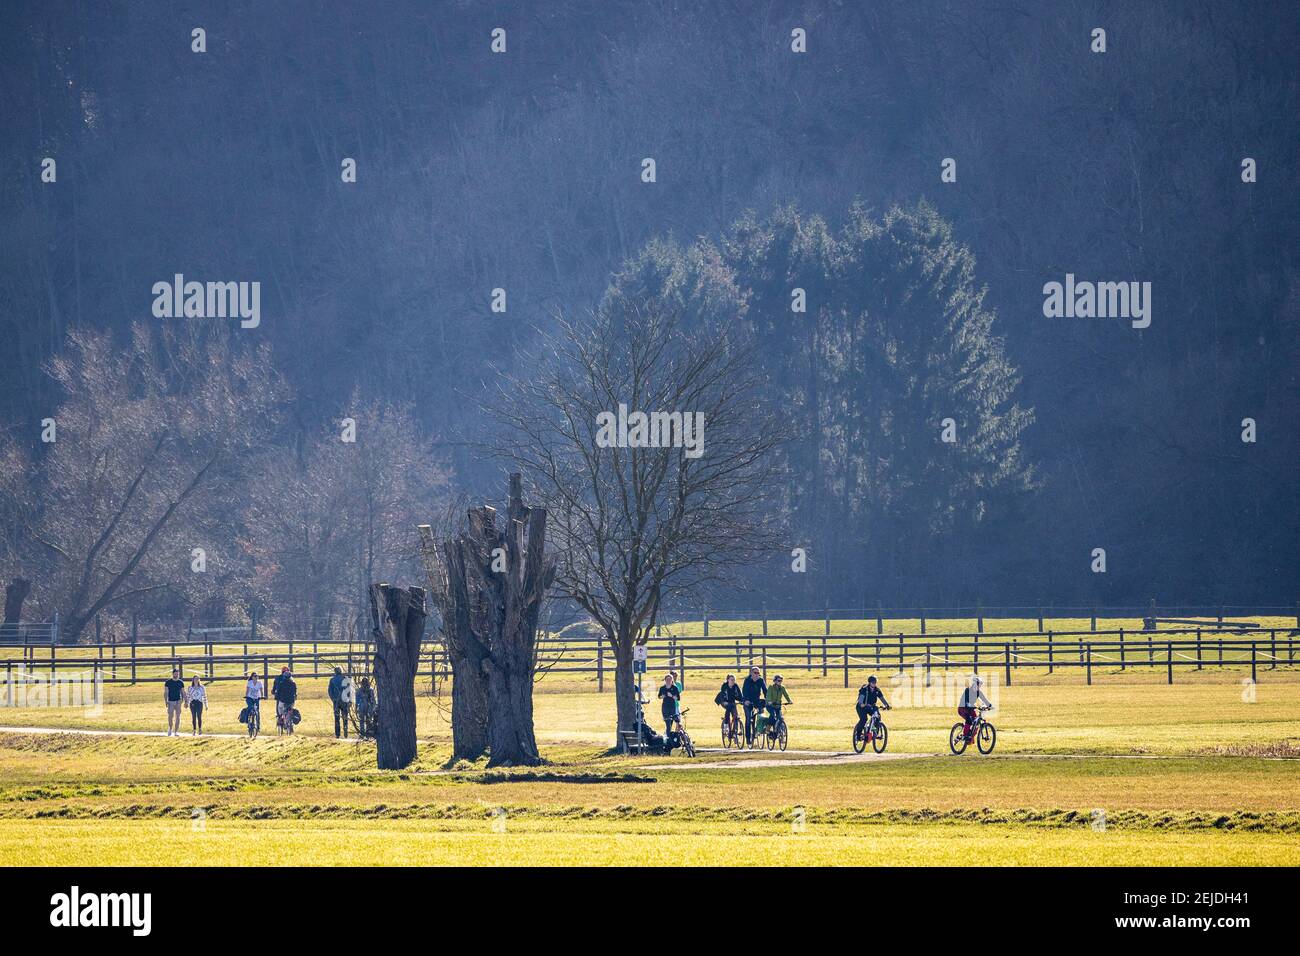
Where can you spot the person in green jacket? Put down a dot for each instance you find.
(776, 696)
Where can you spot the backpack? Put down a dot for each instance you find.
(862, 696)
(243, 716)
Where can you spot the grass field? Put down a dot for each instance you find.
(1129, 770)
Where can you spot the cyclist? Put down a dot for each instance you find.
(776, 697)
(869, 700)
(971, 698)
(254, 691)
(728, 698)
(285, 692)
(670, 696)
(754, 694)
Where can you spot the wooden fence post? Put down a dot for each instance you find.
(1169, 649)
(1254, 677)
(1051, 665)
(764, 663)
(900, 654)
(600, 662)
(1088, 655)
(808, 667)
(979, 616)
(1006, 650)
(846, 665)
(1122, 664)
(976, 654)
(1040, 620)
(1198, 648)
(824, 660)
(880, 622)
(922, 620)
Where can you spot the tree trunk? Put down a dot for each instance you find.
(510, 729)
(469, 704)
(16, 592)
(490, 583)
(624, 688)
(397, 616)
(469, 693)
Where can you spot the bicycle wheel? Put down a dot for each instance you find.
(252, 724)
(957, 738)
(881, 740)
(987, 738)
(781, 734)
(687, 745)
(859, 740)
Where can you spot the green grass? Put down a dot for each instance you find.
(653, 841)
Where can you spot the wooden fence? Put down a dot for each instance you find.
(1085, 651)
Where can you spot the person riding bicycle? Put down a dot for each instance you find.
(285, 692)
(970, 699)
(670, 697)
(753, 693)
(777, 695)
(869, 700)
(728, 697)
(254, 691)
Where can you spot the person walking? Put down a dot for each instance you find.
(366, 708)
(197, 697)
(342, 695)
(173, 696)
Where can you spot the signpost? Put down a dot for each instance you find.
(638, 668)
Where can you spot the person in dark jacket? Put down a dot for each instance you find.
(754, 695)
(670, 703)
(367, 709)
(285, 692)
(341, 694)
(728, 697)
(870, 700)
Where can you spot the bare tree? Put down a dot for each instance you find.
(636, 527)
(145, 438)
(325, 522)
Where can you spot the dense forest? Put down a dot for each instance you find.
(774, 170)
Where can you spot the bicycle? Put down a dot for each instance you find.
(875, 733)
(733, 733)
(984, 734)
(752, 713)
(284, 721)
(254, 720)
(683, 738)
(777, 733)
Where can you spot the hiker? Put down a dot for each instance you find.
(197, 697)
(341, 694)
(366, 708)
(173, 695)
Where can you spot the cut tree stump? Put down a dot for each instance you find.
(397, 617)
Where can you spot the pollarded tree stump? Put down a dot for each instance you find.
(397, 617)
